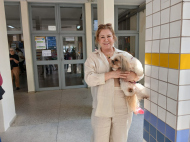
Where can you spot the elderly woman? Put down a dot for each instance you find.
(111, 118)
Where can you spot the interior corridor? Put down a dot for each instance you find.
(57, 116)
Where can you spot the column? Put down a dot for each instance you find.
(88, 28)
(105, 10)
(167, 71)
(7, 105)
(27, 46)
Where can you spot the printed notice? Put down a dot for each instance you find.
(40, 42)
(46, 53)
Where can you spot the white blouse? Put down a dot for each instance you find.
(102, 91)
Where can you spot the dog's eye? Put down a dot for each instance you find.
(116, 60)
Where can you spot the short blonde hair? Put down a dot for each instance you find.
(105, 26)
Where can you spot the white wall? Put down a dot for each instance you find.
(7, 105)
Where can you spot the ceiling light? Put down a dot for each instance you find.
(10, 26)
(78, 27)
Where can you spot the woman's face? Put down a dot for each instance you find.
(105, 39)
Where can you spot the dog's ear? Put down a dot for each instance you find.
(125, 66)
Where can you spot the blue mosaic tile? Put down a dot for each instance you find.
(161, 126)
(152, 139)
(170, 133)
(147, 115)
(182, 135)
(153, 131)
(153, 120)
(146, 125)
(146, 136)
(167, 140)
(160, 137)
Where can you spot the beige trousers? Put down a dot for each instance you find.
(113, 129)
(15, 73)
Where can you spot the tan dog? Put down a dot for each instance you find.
(133, 91)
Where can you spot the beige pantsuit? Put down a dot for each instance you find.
(15, 73)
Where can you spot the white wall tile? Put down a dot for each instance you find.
(154, 84)
(162, 88)
(174, 45)
(163, 74)
(148, 92)
(154, 72)
(162, 101)
(156, 19)
(172, 91)
(165, 16)
(147, 70)
(149, 34)
(186, 10)
(186, 28)
(175, 29)
(162, 114)
(183, 122)
(164, 46)
(171, 120)
(175, 12)
(147, 104)
(148, 46)
(153, 108)
(184, 77)
(147, 1)
(156, 32)
(147, 82)
(185, 44)
(183, 108)
(149, 21)
(155, 46)
(165, 31)
(154, 97)
(175, 1)
(184, 93)
(165, 4)
(172, 106)
(149, 9)
(156, 6)
(173, 76)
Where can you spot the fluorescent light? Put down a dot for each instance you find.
(78, 27)
(11, 27)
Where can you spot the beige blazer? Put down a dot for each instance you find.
(102, 91)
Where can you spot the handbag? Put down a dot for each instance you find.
(2, 91)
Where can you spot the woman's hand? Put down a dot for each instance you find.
(116, 74)
(132, 77)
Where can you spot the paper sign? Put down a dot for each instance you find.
(51, 28)
(46, 53)
(40, 42)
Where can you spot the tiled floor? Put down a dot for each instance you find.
(57, 116)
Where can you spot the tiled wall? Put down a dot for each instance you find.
(167, 71)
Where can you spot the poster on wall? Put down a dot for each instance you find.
(40, 42)
(51, 42)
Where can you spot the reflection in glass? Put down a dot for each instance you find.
(43, 18)
(74, 74)
(72, 48)
(12, 13)
(95, 19)
(48, 75)
(127, 19)
(127, 43)
(95, 44)
(46, 48)
(71, 18)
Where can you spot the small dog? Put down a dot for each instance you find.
(134, 91)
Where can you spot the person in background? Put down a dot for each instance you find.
(21, 60)
(14, 61)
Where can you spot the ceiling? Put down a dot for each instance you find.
(117, 2)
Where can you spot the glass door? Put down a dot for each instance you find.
(72, 61)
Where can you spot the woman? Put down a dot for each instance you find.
(111, 118)
(21, 59)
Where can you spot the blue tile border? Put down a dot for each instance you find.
(152, 139)
(147, 115)
(183, 135)
(153, 119)
(160, 137)
(170, 133)
(146, 135)
(161, 126)
(153, 131)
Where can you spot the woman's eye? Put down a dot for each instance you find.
(116, 60)
(102, 37)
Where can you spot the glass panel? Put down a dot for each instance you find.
(71, 18)
(48, 75)
(95, 19)
(127, 19)
(72, 48)
(12, 13)
(46, 48)
(95, 45)
(127, 43)
(43, 18)
(74, 74)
